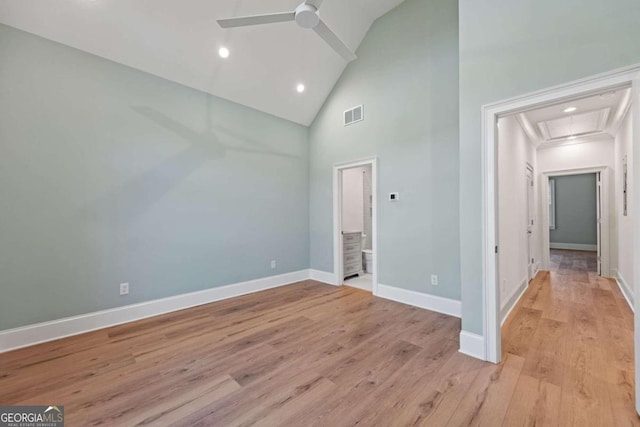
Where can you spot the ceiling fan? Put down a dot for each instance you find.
(305, 15)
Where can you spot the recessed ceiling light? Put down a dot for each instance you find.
(570, 109)
(223, 52)
(300, 88)
(572, 137)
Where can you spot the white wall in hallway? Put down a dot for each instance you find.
(625, 253)
(514, 152)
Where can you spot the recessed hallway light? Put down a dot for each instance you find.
(300, 88)
(570, 109)
(223, 52)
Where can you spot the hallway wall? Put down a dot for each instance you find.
(623, 270)
(515, 151)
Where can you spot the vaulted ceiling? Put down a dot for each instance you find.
(179, 41)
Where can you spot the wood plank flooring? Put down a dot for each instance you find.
(310, 354)
(574, 331)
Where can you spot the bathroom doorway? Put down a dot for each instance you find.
(355, 241)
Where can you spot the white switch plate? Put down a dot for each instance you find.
(434, 280)
(273, 264)
(124, 288)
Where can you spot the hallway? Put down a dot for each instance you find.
(573, 331)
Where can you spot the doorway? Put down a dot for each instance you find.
(578, 216)
(355, 239)
(617, 79)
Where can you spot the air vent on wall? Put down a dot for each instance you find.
(356, 114)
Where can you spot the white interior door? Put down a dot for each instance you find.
(530, 222)
(599, 220)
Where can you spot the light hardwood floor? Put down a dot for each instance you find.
(312, 354)
(573, 332)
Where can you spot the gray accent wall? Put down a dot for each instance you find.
(576, 217)
(508, 48)
(406, 77)
(111, 175)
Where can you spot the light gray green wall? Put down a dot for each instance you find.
(576, 218)
(406, 77)
(111, 175)
(508, 48)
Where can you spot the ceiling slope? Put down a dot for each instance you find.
(179, 41)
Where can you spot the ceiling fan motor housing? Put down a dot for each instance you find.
(307, 16)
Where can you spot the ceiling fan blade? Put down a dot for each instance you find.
(314, 3)
(334, 41)
(244, 21)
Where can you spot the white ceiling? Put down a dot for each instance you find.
(179, 40)
(595, 115)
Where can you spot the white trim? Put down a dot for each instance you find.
(472, 345)
(418, 299)
(627, 291)
(323, 276)
(513, 299)
(490, 113)
(573, 246)
(25, 336)
(337, 218)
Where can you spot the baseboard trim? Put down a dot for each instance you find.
(574, 246)
(13, 339)
(419, 299)
(625, 289)
(513, 300)
(472, 345)
(323, 276)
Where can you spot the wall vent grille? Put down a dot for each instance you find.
(354, 115)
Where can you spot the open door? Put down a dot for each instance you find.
(599, 220)
(634, 205)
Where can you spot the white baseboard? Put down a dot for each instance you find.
(625, 289)
(13, 339)
(323, 276)
(573, 246)
(472, 345)
(513, 299)
(419, 299)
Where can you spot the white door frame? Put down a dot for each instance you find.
(604, 239)
(531, 206)
(490, 114)
(337, 218)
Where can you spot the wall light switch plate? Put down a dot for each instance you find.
(434, 279)
(124, 288)
(273, 264)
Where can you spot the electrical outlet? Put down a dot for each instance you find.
(434, 280)
(124, 289)
(273, 264)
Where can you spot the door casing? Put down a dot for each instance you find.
(612, 80)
